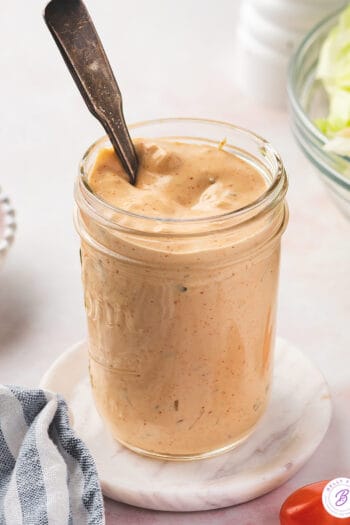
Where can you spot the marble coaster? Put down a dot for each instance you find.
(294, 425)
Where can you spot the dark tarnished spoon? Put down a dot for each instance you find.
(76, 37)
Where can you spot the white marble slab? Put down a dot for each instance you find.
(296, 421)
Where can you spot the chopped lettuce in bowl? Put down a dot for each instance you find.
(333, 71)
(319, 102)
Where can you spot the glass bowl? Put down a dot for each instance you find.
(7, 225)
(308, 101)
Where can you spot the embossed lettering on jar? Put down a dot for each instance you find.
(181, 312)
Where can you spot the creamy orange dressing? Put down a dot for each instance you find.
(180, 333)
(177, 180)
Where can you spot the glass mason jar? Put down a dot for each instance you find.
(181, 313)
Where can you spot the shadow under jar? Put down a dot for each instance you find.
(181, 312)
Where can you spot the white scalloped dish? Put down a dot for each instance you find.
(7, 225)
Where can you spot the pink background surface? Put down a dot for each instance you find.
(188, 71)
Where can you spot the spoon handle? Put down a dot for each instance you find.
(75, 35)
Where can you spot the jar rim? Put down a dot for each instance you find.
(277, 188)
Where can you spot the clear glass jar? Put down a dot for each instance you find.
(181, 313)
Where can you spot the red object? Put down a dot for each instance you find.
(305, 507)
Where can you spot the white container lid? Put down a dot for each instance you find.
(268, 32)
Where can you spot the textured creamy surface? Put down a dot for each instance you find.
(177, 180)
(180, 337)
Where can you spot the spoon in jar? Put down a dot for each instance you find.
(76, 37)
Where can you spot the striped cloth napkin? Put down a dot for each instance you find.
(47, 475)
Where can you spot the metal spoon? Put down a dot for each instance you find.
(76, 37)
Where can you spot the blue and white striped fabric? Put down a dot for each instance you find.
(47, 475)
